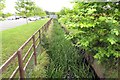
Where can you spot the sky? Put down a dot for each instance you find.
(49, 5)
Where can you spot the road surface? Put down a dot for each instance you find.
(7, 24)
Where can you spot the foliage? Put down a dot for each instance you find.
(1, 13)
(39, 12)
(28, 8)
(95, 27)
(3, 16)
(25, 7)
(2, 5)
(49, 13)
(7, 15)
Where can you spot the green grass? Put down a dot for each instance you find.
(64, 58)
(13, 38)
(39, 71)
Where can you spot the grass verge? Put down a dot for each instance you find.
(13, 38)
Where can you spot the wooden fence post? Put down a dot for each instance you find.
(49, 23)
(40, 36)
(46, 27)
(20, 62)
(34, 50)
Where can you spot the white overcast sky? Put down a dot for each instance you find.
(49, 5)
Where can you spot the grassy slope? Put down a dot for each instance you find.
(64, 59)
(13, 38)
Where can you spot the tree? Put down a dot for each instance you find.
(38, 12)
(2, 6)
(8, 14)
(49, 13)
(25, 7)
(1, 14)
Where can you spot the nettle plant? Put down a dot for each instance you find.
(94, 27)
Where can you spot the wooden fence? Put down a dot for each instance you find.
(18, 53)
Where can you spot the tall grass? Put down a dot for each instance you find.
(65, 62)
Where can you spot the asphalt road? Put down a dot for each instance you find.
(7, 24)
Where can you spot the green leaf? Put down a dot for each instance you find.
(111, 40)
(91, 11)
(115, 31)
(101, 18)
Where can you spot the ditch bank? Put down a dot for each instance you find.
(65, 60)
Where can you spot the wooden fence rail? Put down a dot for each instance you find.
(18, 53)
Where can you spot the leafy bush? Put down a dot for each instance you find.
(95, 27)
